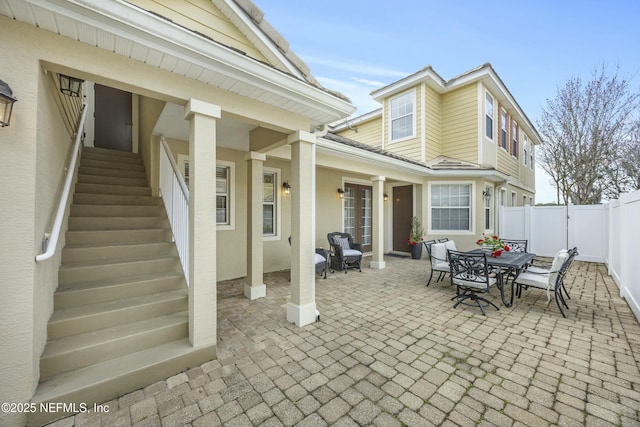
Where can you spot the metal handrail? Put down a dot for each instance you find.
(50, 242)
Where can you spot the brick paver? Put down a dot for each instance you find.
(389, 351)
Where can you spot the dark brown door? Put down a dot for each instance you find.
(357, 213)
(113, 118)
(402, 213)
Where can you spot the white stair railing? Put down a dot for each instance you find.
(50, 240)
(175, 195)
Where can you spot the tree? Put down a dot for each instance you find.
(586, 132)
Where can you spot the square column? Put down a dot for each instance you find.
(255, 287)
(202, 118)
(377, 227)
(301, 308)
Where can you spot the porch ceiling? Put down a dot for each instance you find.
(126, 30)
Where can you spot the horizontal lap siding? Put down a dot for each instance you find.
(369, 132)
(460, 124)
(202, 16)
(433, 124)
(508, 164)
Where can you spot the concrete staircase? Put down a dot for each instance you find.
(120, 318)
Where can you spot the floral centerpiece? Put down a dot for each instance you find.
(494, 244)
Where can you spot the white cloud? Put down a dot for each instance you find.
(358, 93)
(338, 64)
(367, 82)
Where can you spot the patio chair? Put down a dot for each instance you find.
(438, 257)
(470, 275)
(320, 260)
(444, 239)
(540, 267)
(345, 253)
(547, 279)
(515, 245)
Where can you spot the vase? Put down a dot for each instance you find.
(416, 251)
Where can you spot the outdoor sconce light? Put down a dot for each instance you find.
(70, 85)
(286, 188)
(487, 193)
(385, 196)
(6, 104)
(341, 193)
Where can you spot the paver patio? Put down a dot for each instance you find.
(389, 351)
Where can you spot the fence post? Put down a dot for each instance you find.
(622, 244)
(528, 232)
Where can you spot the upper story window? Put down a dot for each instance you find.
(514, 138)
(503, 128)
(525, 150)
(402, 116)
(488, 111)
(531, 156)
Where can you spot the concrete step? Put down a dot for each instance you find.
(112, 165)
(117, 223)
(78, 351)
(106, 188)
(109, 152)
(111, 237)
(104, 211)
(70, 274)
(70, 296)
(112, 180)
(91, 252)
(115, 199)
(100, 171)
(113, 378)
(94, 317)
(112, 156)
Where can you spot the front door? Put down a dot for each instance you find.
(357, 213)
(402, 213)
(113, 118)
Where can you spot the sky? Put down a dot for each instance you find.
(357, 46)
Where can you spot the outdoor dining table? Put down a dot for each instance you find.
(510, 264)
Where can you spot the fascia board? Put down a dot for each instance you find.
(428, 76)
(346, 123)
(142, 27)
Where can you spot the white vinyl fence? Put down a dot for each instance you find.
(605, 233)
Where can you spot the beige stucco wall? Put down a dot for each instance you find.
(149, 110)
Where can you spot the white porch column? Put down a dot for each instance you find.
(202, 118)
(255, 287)
(377, 229)
(301, 308)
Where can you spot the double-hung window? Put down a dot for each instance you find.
(531, 156)
(402, 116)
(503, 129)
(223, 201)
(525, 150)
(269, 199)
(487, 209)
(488, 111)
(514, 138)
(451, 207)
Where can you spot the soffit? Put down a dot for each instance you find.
(129, 31)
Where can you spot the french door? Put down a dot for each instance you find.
(357, 213)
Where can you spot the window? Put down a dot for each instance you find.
(358, 213)
(531, 156)
(524, 200)
(269, 203)
(488, 124)
(514, 138)
(451, 207)
(402, 117)
(514, 201)
(222, 195)
(525, 150)
(487, 208)
(503, 129)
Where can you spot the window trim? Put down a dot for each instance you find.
(231, 224)
(488, 206)
(411, 93)
(472, 203)
(504, 129)
(488, 100)
(515, 130)
(278, 202)
(525, 149)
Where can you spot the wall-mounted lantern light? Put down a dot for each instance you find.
(385, 196)
(286, 188)
(341, 193)
(6, 104)
(70, 85)
(487, 193)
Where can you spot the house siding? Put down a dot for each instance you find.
(508, 164)
(203, 17)
(433, 123)
(409, 148)
(366, 132)
(460, 124)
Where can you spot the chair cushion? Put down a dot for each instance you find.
(440, 266)
(343, 242)
(438, 253)
(473, 284)
(351, 252)
(450, 245)
(317, 259)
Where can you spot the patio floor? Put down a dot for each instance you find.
(389, 351)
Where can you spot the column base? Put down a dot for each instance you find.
(255, 292)
(377, 265)
(302, 315)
